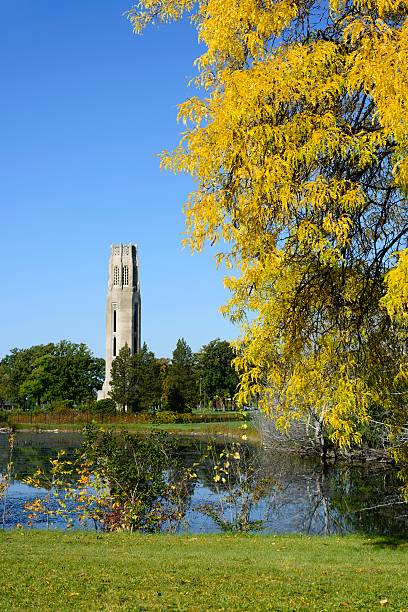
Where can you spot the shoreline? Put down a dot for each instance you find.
(231, 430)
(226, 431)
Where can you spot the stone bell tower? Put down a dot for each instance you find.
(123, 306)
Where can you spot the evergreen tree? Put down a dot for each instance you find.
(148, 380)
(124, 386)
(135, 380)
(164, 367)
(182, 380)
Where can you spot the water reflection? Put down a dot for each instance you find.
(300, 497)
(343, 498)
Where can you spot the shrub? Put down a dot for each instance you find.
(166, 417)
(60, 406)
(4, 417)
(121, 482)
(105, 406)
(188, 417)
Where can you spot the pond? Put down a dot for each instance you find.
(300, 496)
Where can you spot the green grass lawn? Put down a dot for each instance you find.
(80, 571)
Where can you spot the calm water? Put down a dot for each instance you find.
(300, 496)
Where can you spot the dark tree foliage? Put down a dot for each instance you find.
(148, 379)
(176, 401)
(123, 380)
(182, 379)
(136, 380)
(217, 377)
(105, 406)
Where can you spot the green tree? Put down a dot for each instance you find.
(216, 375)
(5, 388)
(164, 367)
(77, 373)
(42, 384)
(16, 367)
(182, 379)
(136, 380)
(45, 373)
(148, 380)
(124, 387)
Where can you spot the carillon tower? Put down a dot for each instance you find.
(123, 306)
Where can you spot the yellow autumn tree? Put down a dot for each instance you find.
(297, 141)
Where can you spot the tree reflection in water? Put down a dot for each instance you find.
(343, 498)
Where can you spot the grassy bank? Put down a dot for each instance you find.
(80, 571)
(229, 428)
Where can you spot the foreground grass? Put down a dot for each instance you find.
(80, 571)
(232, 429)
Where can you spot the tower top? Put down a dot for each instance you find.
(123, 267)
(123, 249)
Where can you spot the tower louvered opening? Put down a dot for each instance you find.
(116, 276)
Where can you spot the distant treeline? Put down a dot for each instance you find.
(51, 374)
(185, 381)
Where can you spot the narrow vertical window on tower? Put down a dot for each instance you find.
(136, 329)
(125, 275)
(114, 346)
(116, 276)
(114, 320)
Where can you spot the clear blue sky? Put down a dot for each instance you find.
(85, 107)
